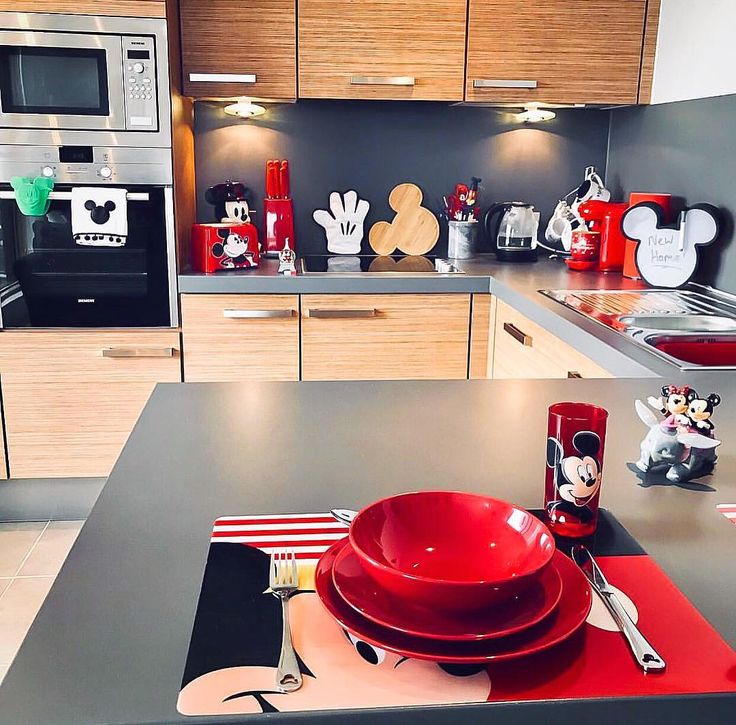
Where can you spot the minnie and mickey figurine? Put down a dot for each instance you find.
(682, 446)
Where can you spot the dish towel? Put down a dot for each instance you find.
(99, 216)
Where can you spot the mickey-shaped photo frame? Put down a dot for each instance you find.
(667, 255)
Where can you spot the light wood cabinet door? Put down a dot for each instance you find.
(241, 48)
(71, 398)
(382, 49)
(240, 337)
(575, 51)
(524, 349)
(385, 336)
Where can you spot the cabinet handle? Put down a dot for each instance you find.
(138, 352)
(382, 81)
(517, 334)
(256, 314)
(222, 77)
(500, 83)
(574, 374)
(332, 314)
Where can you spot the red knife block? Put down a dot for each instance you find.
(279, 222)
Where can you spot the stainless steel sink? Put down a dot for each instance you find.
(680, 323)
(676, 325)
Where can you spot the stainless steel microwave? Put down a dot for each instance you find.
(85, 80)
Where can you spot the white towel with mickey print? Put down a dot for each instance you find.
(99, 216)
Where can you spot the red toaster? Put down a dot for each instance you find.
(224, 246)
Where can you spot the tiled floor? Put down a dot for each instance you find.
(31, 555)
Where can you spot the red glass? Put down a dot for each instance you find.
(452, 549)
(576, 437)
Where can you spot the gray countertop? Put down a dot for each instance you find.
(110, 642)
(516, 284)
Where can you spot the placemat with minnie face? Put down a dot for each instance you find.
(236, 638)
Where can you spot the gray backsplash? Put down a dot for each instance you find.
(687, 149)
(372, 146)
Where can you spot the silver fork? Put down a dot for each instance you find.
(284, 581)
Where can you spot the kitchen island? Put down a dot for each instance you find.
(110, 643)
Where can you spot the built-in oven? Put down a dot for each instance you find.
(102, 254)
(63, 77)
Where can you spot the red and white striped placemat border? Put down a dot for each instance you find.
(728, 510)
(309, 535)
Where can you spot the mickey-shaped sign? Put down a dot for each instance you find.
(667, 256)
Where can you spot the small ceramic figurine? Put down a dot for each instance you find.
(287, 260)
(682, 445)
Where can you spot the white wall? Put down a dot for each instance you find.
(696, 50)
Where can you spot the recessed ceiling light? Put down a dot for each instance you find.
(244, 109)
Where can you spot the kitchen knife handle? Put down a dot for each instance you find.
(138, 352)
(501, 83)
(382, 81)
(518, 335)
(222, 78)
(257, 314)
(326, 314)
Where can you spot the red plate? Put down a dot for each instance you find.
(567, 618)
(382, 607)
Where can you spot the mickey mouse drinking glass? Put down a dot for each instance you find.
(576, 435)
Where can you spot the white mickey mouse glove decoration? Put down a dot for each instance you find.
(344, 227)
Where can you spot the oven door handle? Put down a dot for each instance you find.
(67, 195)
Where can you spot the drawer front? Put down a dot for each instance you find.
(85, 356)
(71, 398)
(385, 337)
(130, 8)
(240, 337)
(524, 349)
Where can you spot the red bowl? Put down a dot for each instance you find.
(451, 549)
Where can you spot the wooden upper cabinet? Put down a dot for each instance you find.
(241, 48)
(132, 8)
(382, 49)
(576, 51)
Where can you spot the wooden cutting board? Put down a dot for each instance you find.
(414, 229)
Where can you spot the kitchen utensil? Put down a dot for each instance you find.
(278, 210)
(605, 217)
(414, 229)
(646, 656)
(455, 550)
(284, 581)
(380, 606)
(512, 228)
(576, 435)
(224, 246)
(343, 224)
(563, 622)
(284, 182)
(462, 239)
(630, 269)
(344, 516)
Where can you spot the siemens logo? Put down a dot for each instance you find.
(86, 300)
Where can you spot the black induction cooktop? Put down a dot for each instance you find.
(371, 264)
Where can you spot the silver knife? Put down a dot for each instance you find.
(645, 655)
(344, 516)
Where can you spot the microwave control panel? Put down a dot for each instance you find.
(139, 72)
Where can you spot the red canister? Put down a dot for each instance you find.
(224, 246)
(665, 201)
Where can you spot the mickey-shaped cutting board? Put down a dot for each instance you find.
(414, 229)
(668, 256)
